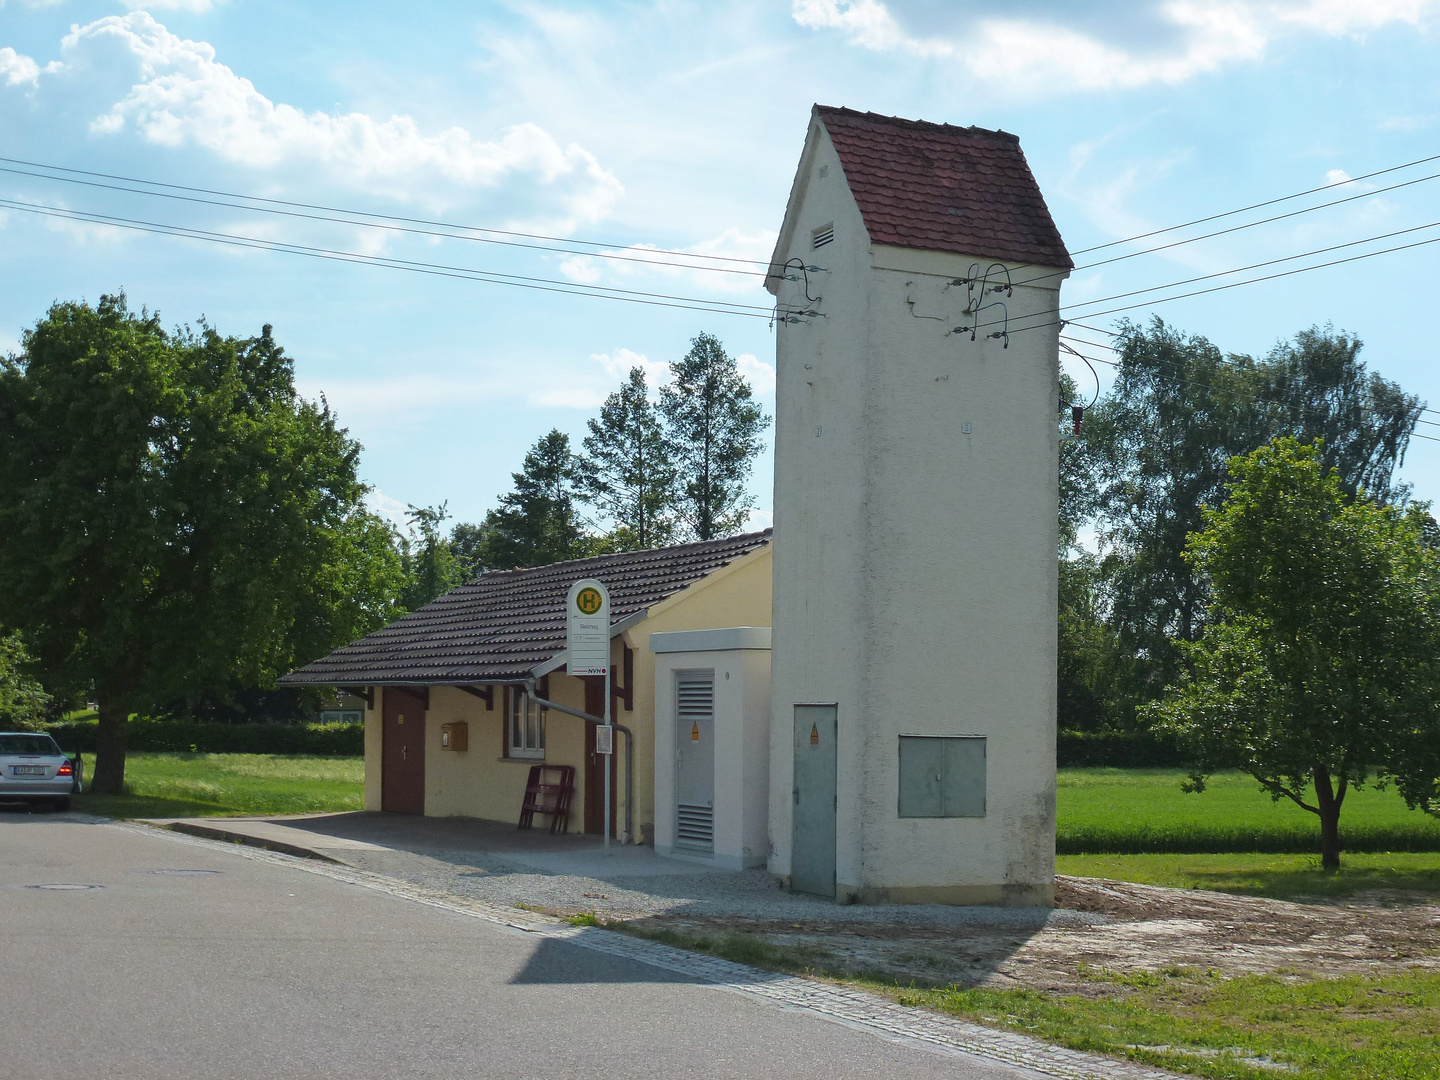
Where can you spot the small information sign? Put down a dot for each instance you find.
(587, 628)
(604, 739)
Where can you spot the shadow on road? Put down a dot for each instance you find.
(559, 963)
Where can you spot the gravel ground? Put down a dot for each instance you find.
(749, 895)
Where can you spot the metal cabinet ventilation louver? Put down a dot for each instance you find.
(695, 827)
(822, 236)
(695, 696)
(695, 704)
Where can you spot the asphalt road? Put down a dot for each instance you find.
(191, 962)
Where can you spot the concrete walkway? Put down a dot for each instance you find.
(496, 863)
(348, 837)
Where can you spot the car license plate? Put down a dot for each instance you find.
(29, 770)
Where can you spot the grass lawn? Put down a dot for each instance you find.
(1280, 876)
(1355, 1028)
(1143, 810)
(194, 785)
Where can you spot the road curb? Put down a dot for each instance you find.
(234, 836)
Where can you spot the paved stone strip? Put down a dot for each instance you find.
(840, 1003)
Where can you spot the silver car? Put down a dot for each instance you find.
(33, 769)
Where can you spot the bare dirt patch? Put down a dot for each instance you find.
(1146, 929)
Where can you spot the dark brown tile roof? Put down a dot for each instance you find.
(944, 188)
(503, 624)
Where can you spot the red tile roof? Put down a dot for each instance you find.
(501, 626)
(943, 188)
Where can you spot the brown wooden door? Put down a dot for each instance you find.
(595, 765)
(402, 753)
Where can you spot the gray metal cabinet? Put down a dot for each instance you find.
(942, 776)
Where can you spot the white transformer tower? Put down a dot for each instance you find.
(917, 279)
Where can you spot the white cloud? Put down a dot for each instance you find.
(729, 263)
(589, 389)
(1345, 18)
(569, 396)
(389, 402)
(581, 268)
(1041, 51)
(868, 23)
(180, 95)
(1408, 124)
(759, 519)
(1338, 176)
(618, 365)
(17, 68)
(759, 374)
(85, 232)
(392, 510)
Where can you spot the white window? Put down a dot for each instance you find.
(527, 726)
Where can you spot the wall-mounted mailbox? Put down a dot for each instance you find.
(455, 736)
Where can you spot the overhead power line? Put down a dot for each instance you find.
(606, 250)
(354, 217)
(1259, 205)
(1061, 321)
(403, 224)
(1258, 265)
(1192, 382)
(634, 296)
(1052, 274)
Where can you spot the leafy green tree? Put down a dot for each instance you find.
(537, 522)
(1316, 389)
(1320, 665)
(1159, 443)
(176, 519)
(23, 701)
(428, 557)
(625, 470)
(466, 542)
(1077, 487)
(713, 429)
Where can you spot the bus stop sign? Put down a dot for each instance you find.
(587, 628)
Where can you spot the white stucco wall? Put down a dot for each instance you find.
(742, 742)
(915, 566)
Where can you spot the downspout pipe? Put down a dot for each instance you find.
(599, 721)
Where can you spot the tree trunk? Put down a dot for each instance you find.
(109, 775)
(1329, 807)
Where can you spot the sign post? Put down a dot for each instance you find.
(587, 650)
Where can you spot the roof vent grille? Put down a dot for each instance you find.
(822, 236)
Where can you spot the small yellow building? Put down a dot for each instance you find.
(453, 726)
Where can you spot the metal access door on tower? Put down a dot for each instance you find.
(695, 760)
(812, 848)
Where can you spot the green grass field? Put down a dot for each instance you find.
(1357, 1028)
(1280, 876)
(194, 785)
(1116, 811)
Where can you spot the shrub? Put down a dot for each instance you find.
(179, 736)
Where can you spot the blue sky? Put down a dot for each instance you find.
(678, 125)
